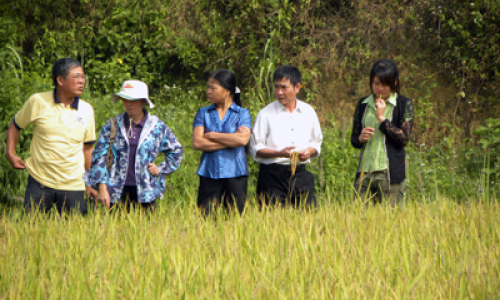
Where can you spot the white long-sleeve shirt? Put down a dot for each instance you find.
(277, 128)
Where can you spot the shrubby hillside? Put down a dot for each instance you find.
(447, 52)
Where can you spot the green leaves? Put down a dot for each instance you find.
(490, 141)
(436, 45)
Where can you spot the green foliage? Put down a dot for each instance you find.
(490, 141)
(490, 135)
(155, 41)
(173, 45)
(14, 92)
(464, 38)
(336, 166)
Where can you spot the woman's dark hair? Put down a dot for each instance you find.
(227, 80)
(387, 73)
(62, 67)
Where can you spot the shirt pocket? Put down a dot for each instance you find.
(74, 128)
(76, 134)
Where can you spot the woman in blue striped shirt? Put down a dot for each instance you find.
(221, 131)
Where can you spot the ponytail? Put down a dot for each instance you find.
(227, 80)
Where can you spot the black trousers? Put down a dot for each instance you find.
(277, 186)
(42, 198)
(232, 192)
(128, 199)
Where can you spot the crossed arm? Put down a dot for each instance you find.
(213, 141)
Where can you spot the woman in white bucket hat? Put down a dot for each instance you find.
(123, 168)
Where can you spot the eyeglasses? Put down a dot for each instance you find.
(77, 76)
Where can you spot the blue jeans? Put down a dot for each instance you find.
(42, 198)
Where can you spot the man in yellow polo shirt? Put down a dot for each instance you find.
(61, 147)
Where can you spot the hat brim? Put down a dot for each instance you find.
(118, 96)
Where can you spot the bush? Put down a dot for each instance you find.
(446, 52)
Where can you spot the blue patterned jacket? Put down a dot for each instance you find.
(155, 137)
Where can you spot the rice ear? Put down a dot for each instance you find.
(294, 159)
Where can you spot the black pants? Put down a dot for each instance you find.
(42, 198)
(277, 186)
(128, 199)
(232, 191)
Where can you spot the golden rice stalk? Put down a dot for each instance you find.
(294, 160)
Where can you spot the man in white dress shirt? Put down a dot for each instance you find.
(282, 127)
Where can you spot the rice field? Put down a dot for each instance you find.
(423, 250)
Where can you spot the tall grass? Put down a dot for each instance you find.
(434, 250)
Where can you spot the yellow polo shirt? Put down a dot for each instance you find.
(57, 159)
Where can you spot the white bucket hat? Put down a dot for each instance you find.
(133, 90)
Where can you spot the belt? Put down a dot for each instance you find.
(284, 168)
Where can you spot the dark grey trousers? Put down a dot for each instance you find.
(277, 186)
(42, 198)
(376, 188)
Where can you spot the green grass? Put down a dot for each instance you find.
(434, 250)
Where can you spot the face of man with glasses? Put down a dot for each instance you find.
(73, 83)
